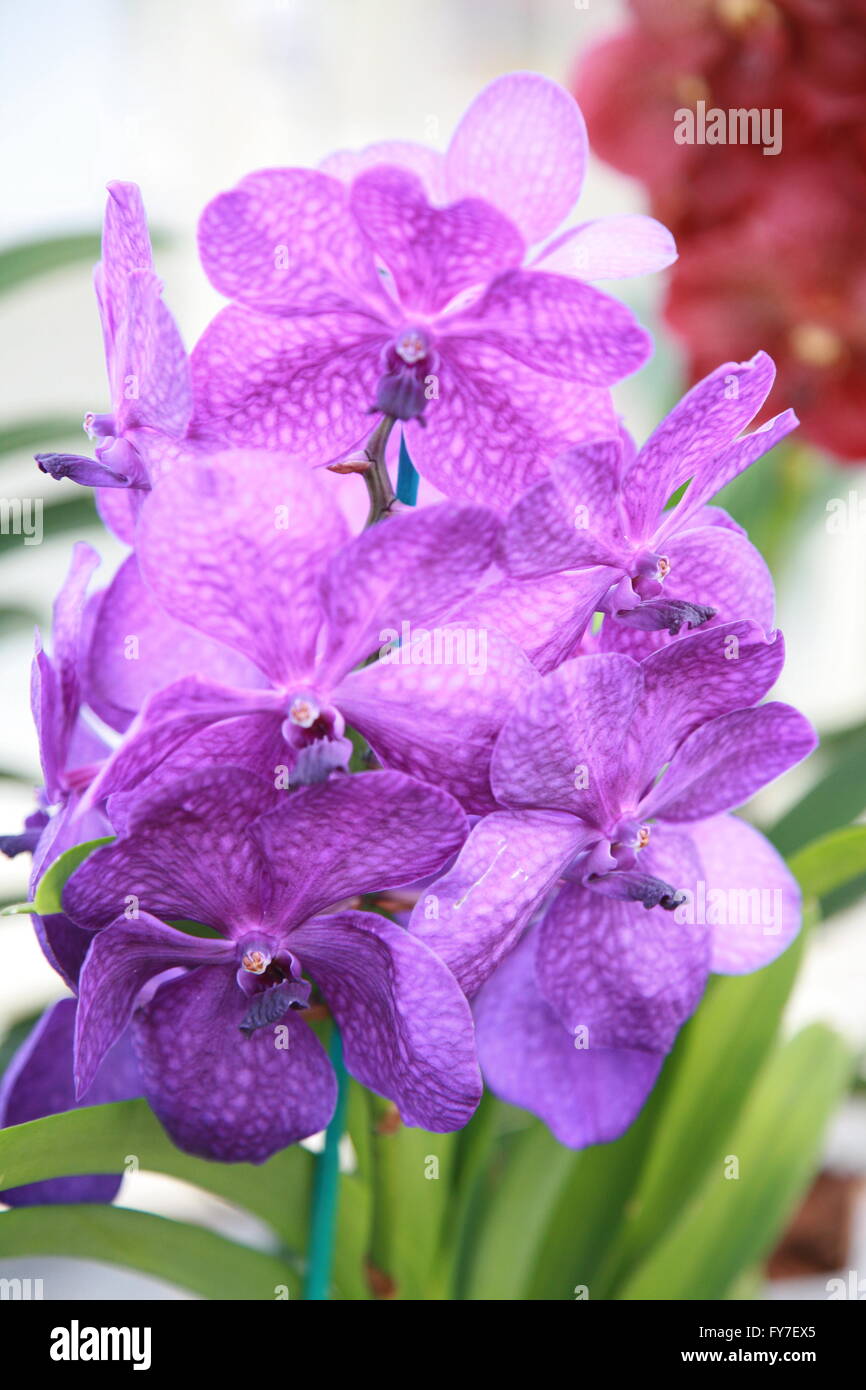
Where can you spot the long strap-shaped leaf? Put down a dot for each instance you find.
(110, 1138)
(188, 1256)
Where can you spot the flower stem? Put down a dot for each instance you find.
(379, 488)
(326, 1190)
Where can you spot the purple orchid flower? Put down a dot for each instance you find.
(38, 1082)
(522, 146)
(148, 371)
(39, 1078)
(70, 750)
(305, 606)
(228, 1061)
(369, 299)
(614, 777)
(597, 536)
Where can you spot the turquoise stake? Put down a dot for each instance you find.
(407, 476)
(326, 1190)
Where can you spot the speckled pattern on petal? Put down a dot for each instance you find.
(521, 144)
(406, 1028)
(151, 383)
(762, 912)
(559, 327)
(355, 834)
(184, 856)
(474, 914)
(564, 745)
(302, 384)
(438, 720)
(243, 565)
(523, 417)
(629, 975)
(727, 760)
(220, 1093)
(432, 253)
(585, 1096)
(285, 241)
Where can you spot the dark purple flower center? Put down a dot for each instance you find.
(409, 363)
(315, 730)
(611, 867)
(272, 981)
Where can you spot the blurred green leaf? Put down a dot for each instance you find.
(354, 1215)
(831, 862)
(112, 1138)
(773, 499)
(73, 513)
(35, 434)
(15, 1036)
(12, 619)
(836, 799)
(184, 1255)
(411, 1172)
(716, 1059)
(732, 1222)
(28, 259)
(516, 1217)
(49, 894)
(595, 1202)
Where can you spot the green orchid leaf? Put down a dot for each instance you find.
(189, 1256)
(35, 434)
(830, 862)
(740, 1208)
(49, 894)
(126, 1136)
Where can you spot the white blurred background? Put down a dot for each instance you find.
(185, 99)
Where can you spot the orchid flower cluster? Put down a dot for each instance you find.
(456, 775)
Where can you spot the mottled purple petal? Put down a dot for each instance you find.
(721, 469)
(221, 1093)
(352, 835)
(557, 326)
(303, 384)
(166, 721)
(628, 975)
(438, 719)
(64, 945)
(412, 570)
(285, 241)
(38, 1082)
(123, 958)
(432, 253)
(753, 901)
(426, 163)
(545, 616)
(565, 745)
(473, 915)
(726, 761)
(496, 424)
(137, 649)
(521, 145)
(184, 855)
(406, 1028)
(233, 549)
(703, 423)
(584, 1095)
(125, 247)
(706, 674)
(542, 538)
(149, 367)
(610, 248)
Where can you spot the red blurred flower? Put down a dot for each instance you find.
(771, 247)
